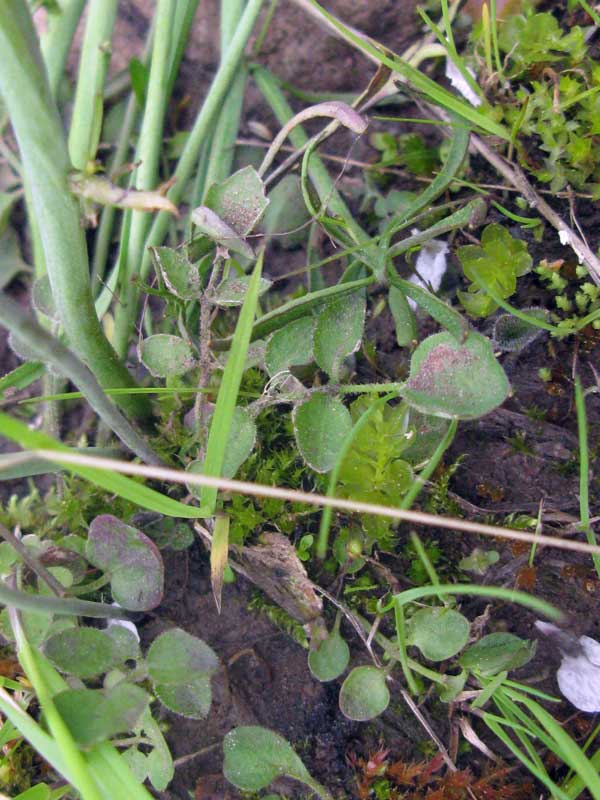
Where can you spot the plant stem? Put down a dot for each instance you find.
(46, 165)
(56, 43)
(426, 473)
(86, 122)
(148, 154)
(221, 82)
(584, 467)
(51, 351)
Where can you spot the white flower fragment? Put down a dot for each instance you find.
(430, 267)
(579, 673)
(462, 87)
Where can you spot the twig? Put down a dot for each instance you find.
(295, 496)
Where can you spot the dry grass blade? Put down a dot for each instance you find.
(312, 499)
(218, 556)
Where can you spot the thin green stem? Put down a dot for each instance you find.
(148, 154)
(38, 129)
(86, 121)
(56, 42)
(427, 471)
(584, 468)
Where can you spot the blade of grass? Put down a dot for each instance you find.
(112, 482)
(52, 352)
(419, 80)
(21, 377)
(230, 386)
(584, 470)
(38, 129)
(508, 595)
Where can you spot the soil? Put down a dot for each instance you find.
(510, 461)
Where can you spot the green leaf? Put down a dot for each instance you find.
(239, 201)
(175, 658)
(95, 715)
(85, 652)
(192, 699)
(167, 356)
(441, 312)
(320, 425)
(42, 300)
(255, 757)
(221, 422)
(287, 213)
(513, 334)
(212, 226)
(130, 558)
(181, 667)
(403, 315)
(233, 291)
(338, 332)
(41, 791)
(21, 377)
(498, 652)
(330, 659)
(439, 633)
(449, 379)
(241, 439)
(479, 561)
(180, 276)
(496, 264)
(290, 346)
(364, 694)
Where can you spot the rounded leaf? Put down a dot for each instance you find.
(338, 331)
(167, 356)
(130, 558)
(255, 756)
(85, 652)
(330, 659)
(176, 657)
(456, 379)
(439, 633)
(364, 694)
(321, 424)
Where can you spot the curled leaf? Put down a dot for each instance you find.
(101, 190)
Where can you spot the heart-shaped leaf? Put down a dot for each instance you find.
(130, 558)
(439, 633)
(338, 332)
(191, 700)
(239, 201)
(95, 715)
(453, 379)
(330, 658)
(85, 652)
(364, 694)
(181, 277)
(291, 345)
(167, 356)
(255, 756)
(321, 424)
